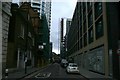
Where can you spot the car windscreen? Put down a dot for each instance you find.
(74, 65)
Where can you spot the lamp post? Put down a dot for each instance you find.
(41, 47)
(25, 55)
(25, 62)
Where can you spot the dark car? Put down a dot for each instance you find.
(64, 63)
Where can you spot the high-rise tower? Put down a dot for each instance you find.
(42, 6)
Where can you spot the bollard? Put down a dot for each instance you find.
(6, 73)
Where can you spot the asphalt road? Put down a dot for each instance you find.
(55, 71)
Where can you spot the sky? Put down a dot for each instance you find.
(59, 9)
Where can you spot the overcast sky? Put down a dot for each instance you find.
(60, 9)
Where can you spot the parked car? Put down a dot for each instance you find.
(64, 63)
(72, 68)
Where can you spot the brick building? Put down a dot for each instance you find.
(21, 41)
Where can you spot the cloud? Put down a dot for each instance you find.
(63, 9)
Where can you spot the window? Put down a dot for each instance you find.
(22, 31)
(36, 4)
(90, 34)
(84, 14)
(98, 9)
(85, 27)
(99, 28)
(90, 19)
(80, 20)
(89, 4)
(85, 39)
(84, 5)
(81, 31)
(81, 43)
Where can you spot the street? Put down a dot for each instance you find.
(54, 71)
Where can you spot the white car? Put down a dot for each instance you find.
(72, 68)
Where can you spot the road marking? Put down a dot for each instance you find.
(49, 75)
(43, 75)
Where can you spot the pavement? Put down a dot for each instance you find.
(92, 75)
(19, 74)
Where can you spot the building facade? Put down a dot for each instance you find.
(43, 42)
(0, 39)
(21, 39)
(93, 37)
(6, 6)
(50, 54)
(47, 10)
(36, 5)
(68, 25)
(62, 38)
(42, 6)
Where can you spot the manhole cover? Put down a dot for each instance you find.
(42, 75)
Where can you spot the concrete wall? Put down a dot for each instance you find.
(0, 39)
(6, 6)
(94, 56)
(92, 60)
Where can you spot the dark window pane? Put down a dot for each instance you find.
(91, 35)
(85, 40)
(80, 31)
(84, 14)
(89, 4)
(90, 19)
(99, 28)
(81, 43)
(98, 9)
(85, 27)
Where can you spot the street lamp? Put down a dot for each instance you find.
(44, 44)
(25, 55)
(41, 47)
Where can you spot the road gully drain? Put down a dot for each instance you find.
(42, 75)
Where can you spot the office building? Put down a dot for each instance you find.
(68, 24)
(50, 52)
(94, 36)
(62, 38)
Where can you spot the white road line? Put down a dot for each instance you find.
(48, 75)
(43, 75)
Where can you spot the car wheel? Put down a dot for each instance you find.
(67, 72)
